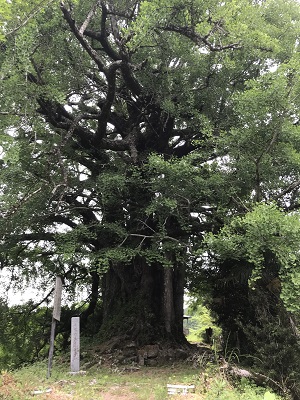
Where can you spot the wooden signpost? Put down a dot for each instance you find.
(55, 317)
(57, 299)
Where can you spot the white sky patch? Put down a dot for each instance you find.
(16, 296)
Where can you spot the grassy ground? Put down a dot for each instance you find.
(144, 383)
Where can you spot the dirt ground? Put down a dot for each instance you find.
(115, 393)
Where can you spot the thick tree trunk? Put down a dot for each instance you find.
(143, 302)
(256, 325)
(169, 313)
(93, 299)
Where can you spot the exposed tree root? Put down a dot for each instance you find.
(258, 378)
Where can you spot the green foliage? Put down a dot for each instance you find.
(269, 396)
(131, 132)
(200, 320)
(275, 341)
(257, 256)
(221, 389)
(186, 71)
(24, 334)
(250, 238)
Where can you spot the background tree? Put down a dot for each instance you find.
(255, 256)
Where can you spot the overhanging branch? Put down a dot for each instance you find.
(92, 53)
(90, 15)
(198, 39)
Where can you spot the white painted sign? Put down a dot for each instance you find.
(180, 389)
(75, 344)
(57, 298)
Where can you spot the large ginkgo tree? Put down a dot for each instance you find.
(131, 129)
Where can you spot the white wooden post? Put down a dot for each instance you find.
(75, 344)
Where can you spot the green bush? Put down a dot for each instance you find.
(220, 389)
(25, 332)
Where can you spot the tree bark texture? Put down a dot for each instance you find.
(140, 303)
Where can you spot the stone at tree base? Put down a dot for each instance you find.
(141, 360)
(180, 354)
(124, 352)
(151, 362)
(152, 350)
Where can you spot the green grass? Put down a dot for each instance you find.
(146, 383)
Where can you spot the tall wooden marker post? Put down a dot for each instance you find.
(55, 317)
